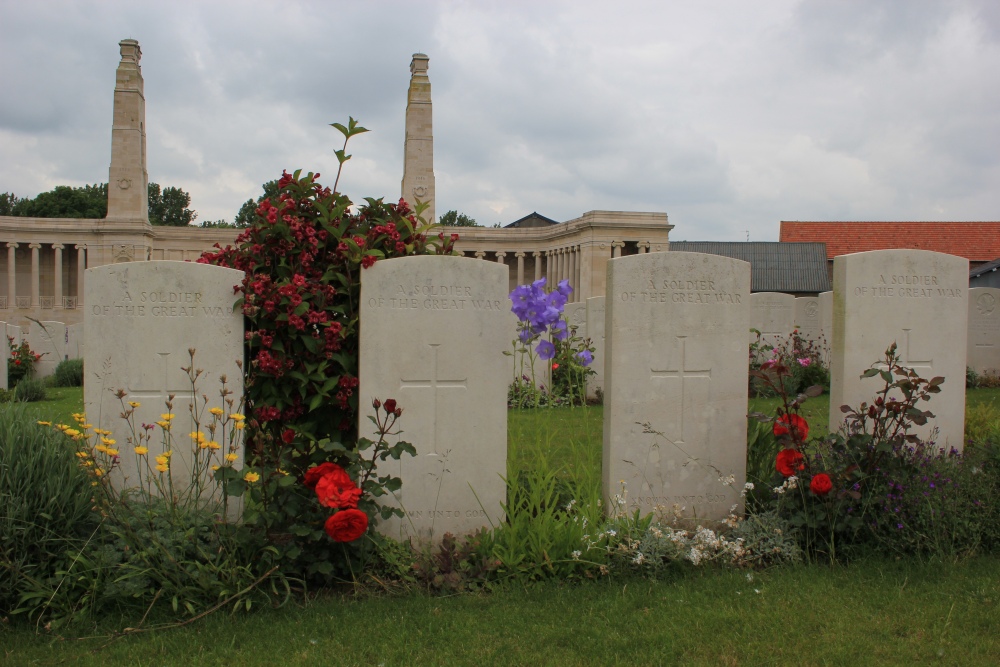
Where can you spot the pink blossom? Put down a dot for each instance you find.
(804, 362)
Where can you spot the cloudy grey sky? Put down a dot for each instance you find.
(728, 115)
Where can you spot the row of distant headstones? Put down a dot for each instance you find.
(776, 315)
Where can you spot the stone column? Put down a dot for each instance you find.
(500, 255)
(57, 298)
(549, 268)
(11, 276)
(643, 247)
(616, 248)
(81, 266)
(480, 254)
(573, 280)
(520, 267)
(538, 263)
(34, 273)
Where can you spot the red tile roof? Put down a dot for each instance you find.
(976, 241)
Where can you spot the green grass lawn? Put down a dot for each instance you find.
(867, 613)
(870, 612)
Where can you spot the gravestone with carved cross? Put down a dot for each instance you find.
(676, 383)
(917, 299)
(433, 333)
(141, 320)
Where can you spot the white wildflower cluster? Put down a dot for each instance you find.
(789, 484)
(727, 481)
(746, 488)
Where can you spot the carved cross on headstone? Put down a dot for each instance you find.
(904, 356)
(682, 373)
(435, 384)
(155, 385)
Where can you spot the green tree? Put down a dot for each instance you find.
(63, 201)
(9, 202)
(169, 207)
(216, 224)
(455, 219)
(166, 207)
(247, 213)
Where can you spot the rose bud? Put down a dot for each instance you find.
(376, 404)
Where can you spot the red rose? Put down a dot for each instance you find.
(390, 405)
(788, 462)
(787, 423)
(288, 436)
(347, 525)
(821, 484)
(316, 473)
(335, 489)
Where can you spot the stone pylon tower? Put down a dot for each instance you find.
(418, 151)
(127, 181)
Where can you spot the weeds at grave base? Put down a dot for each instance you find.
(161, 540)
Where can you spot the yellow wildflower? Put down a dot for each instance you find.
(112, 452)
(108, 441)
(239, 426)
(134, 404)
(101, 431)
(231, 457)
(165, 425)
(237, 417)
(82, 455)
(215, 467)
(167, 416)
(98, 472)
(102, 449)
(251, 477)
(212, 444)
(61, 427)
(141, 451)
(197, 436)
(162, 468)
(71, 432)
(86, 426)
(162, 461)
(41, 423)
(216, 411)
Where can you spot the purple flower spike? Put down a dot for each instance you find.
(585, 357)
(546, 350)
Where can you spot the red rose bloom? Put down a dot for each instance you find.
(335, 489)
(788, 462)
(788, 423)
(821, 484)
(288, 436)
(390, 405)
(316, 473)
(346, 525)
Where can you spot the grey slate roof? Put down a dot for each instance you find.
(985, 268)
(774, 266)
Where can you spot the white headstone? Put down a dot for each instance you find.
(984, 329)
(49, 340)
(75, 346)
(433, 332)
(595, 327)
(141, 319)
(575, 315)
(917, 299)
(773, 314)
(676, 355)
(812, 320)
